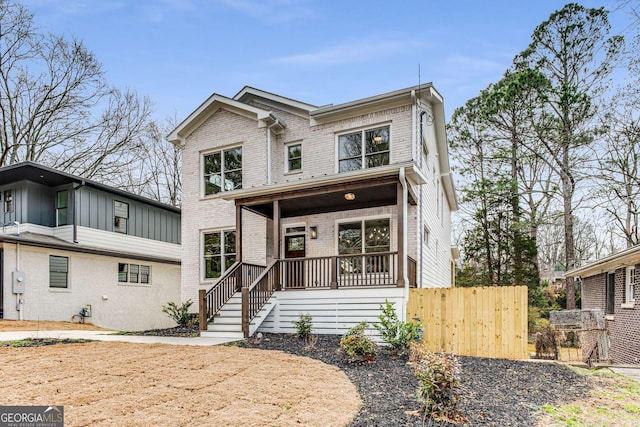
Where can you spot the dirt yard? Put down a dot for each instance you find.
(45, 325)
(125, 384)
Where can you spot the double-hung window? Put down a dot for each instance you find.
(363, 149)
(294, 157)
(120, 216)
(630, 282)
(364, 237)
(219, 252)
(62, 207)
(8, 201)
(222, 171)
(610, 293)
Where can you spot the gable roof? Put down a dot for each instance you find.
(627, 257)
(50, 177)
(214, 103)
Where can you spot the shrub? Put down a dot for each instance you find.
(394, 332)
(304, 326)
(439, 377)
(180, 314)
(356, 346)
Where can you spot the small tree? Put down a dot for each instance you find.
(396, 333)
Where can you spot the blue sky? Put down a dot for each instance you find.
(178, 52)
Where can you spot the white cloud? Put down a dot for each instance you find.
(354, 51)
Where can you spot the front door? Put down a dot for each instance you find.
(294, 247)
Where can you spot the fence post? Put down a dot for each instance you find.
(202, 307)
(245, 312)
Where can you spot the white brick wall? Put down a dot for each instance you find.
(319, 144)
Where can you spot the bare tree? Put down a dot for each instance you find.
(55, 105)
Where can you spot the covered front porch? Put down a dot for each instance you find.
(372, 262)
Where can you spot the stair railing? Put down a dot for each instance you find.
(256, 295)
(211, 301)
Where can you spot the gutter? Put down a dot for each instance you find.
(75, 210)
(405, 228)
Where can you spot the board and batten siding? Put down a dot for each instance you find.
(150, 222)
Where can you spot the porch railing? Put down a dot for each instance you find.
(233, 280)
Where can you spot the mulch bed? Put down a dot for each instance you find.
(497, 392)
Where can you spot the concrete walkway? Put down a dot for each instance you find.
(109, 336)
(627, 371)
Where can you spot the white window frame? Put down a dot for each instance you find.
(220, 150)
(630, 279)
(287, 169)
(225, 267)
(128, 273)
(363, 153)
(362, 220)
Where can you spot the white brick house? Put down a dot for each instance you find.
(291, 208)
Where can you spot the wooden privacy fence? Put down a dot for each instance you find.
(481, 322)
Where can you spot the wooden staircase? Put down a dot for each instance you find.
(227, 323)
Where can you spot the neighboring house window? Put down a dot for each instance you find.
(294, 157)
(610, 285)
(134, 273)
(62, 207)
(8, 201)
(425, 235)
(630, 281)
(222, 171)
(368, 236)
(363, 149)
(219, 252)
(120, 217)
(58, 271)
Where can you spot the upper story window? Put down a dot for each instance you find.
(222, 171)
(294, 157)
(62, 207)
(630, 282)
(363, 149)
(8, 201)
(120, 216)
(219, 252)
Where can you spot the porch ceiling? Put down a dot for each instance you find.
(329, 198)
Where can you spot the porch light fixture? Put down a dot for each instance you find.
(314, 232)
(377, 138)
(349, 196)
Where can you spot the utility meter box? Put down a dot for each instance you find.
(17, 281)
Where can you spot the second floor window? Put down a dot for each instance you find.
(120, 216)
(294, 157)
(219, 252)
(62, 207)
(363, 149)
(222, 171)
(8, 201)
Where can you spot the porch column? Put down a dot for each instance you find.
(401, 237)
(276, 243)
(238, 233)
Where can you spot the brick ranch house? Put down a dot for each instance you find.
(612, 285)
(290, 208)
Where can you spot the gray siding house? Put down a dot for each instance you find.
(68, 243)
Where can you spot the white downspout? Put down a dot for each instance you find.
(276, 122)
(405, 276)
